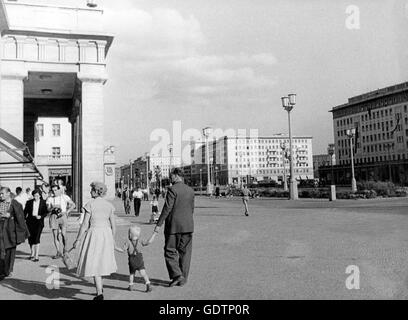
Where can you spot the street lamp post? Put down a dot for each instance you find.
(389, 146)
(288, 104)
(147, 170)
(331, 152)
(285, 181)
(201, 182)
(351, 134)
(206, 133)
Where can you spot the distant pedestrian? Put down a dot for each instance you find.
(137, 198)
(35, 213)
(21, 197)
(97, 255)
(126, 199)
(157, 193)
(29, 194)
(155, 210)
(217, 192)
(60, 207)
(135, 258)
(245, 198)
(13, 231)
(177, 215)
(146, 194)
(45, 191)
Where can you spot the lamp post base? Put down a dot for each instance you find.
(332, 195)
(354, 186)
(294, 194)
(209, 190)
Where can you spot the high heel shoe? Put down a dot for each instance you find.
(100, 297)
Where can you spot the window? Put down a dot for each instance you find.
(56, 152)
(40, 130)
(56, 130)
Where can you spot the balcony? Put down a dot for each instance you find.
(53, 160)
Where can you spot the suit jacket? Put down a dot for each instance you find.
(178, 210)
(42, 211)
(15, 229)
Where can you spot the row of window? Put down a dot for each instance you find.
(56, 130)
(269, 141)
(376, 159)
(369, 116)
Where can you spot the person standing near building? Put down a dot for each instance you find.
(21, 197)
(13, 231)
(60, 206)
(137, 198)
(177, 215)
(35, 213)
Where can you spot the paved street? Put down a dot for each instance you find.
(284, 250)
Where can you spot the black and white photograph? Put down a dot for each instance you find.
(203, 150)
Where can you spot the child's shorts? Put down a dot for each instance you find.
(155, 209)
(136, 263)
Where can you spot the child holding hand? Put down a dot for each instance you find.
(135, 256)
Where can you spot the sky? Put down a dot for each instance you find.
(227, 63)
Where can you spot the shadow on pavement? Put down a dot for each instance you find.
(32, 288)
(125, 278)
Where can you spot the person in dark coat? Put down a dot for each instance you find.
(35, 212)
(177, 215)
(13, 231)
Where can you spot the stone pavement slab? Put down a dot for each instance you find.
(284, 250)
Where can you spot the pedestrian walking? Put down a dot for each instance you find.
(155, 210)
(246, 193)
(135, 258)
(177, 215)
(60, 207)
(126, 199)
(35, 213)
(97, 254)
(137, 198)
(13, 231)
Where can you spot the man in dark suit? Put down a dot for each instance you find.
(177, 215)
(13, 231)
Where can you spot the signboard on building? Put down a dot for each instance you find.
(60, 172)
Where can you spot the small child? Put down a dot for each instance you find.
(155, 210)
(136, 262)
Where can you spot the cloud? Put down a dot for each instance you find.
(160, 53)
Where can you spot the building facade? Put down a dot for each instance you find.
(53, 150)
(148, 171)
(53, 64)
(380, 145)
(237, 160)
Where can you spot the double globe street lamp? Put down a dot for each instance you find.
(288, 104)
(351, 134)
(207, 133)
(331, 151)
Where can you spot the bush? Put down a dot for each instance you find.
(383, 189)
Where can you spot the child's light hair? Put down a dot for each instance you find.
(134, 232)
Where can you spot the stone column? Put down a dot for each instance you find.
(12, 98)
(12, 106)
(75, 120)
(92, 117)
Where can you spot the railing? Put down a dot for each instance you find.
(53, 160)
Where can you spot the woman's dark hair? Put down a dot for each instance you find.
(36, 191)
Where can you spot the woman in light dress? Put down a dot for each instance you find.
(97, 255)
